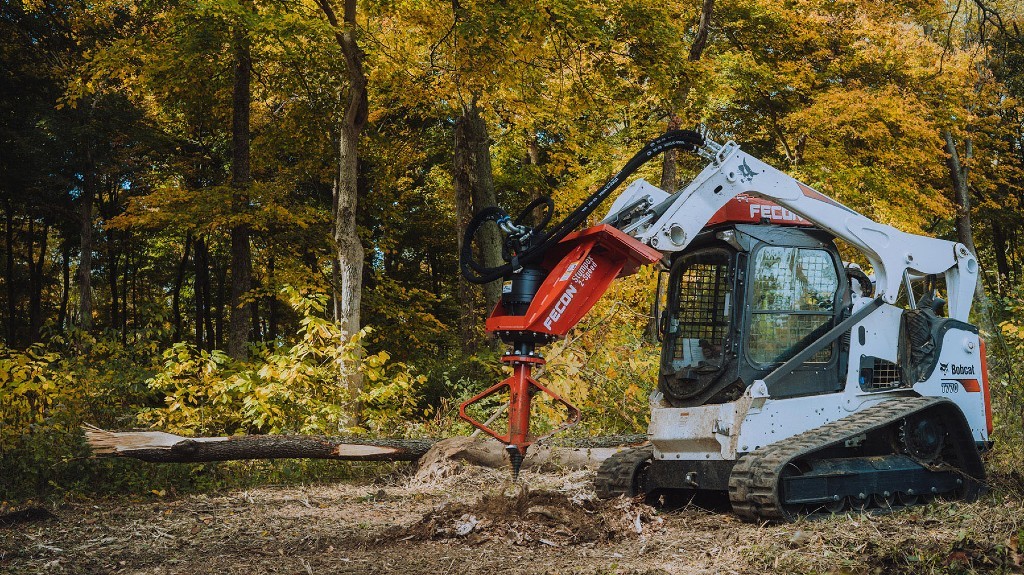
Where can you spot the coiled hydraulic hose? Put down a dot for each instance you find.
(534, 242)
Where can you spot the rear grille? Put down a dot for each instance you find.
(877, 374)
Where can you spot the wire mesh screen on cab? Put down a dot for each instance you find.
(699, 320)
(794, 293)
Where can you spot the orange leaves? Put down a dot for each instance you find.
(875, 149)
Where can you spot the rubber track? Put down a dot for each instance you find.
(616, 476)
(754, 482)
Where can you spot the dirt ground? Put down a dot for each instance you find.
(476, 522)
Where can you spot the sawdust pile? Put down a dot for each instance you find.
(522, 517)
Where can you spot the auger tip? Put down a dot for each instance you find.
(517, 458)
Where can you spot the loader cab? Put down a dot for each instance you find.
(755, 287)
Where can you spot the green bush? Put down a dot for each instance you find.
(302, 389)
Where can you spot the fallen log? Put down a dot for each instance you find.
(161, 447)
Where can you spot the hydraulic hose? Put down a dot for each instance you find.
(479, 274)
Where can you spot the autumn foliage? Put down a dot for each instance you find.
(122, 205)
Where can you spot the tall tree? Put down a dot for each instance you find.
(85, 234)
(240, 316)
(669, 177)
(349, 284)
(961, 189)
(474, 180)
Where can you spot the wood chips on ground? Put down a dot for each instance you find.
(477, 522)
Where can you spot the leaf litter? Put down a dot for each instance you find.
(469, 523)
(521, 516)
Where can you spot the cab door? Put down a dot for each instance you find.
(794, 298)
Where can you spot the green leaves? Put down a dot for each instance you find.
(297, 390)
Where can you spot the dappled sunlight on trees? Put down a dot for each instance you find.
(373, 132)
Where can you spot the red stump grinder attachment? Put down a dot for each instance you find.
(539, 305)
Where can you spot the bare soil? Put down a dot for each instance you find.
(477, 522)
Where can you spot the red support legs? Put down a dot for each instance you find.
(521, 389)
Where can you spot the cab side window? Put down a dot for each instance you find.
(793, 300)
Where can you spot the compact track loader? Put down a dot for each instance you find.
(790, 380)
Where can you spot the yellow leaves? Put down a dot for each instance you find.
(875, 149)
(35, 392)
(298, 390)
(1010, 329)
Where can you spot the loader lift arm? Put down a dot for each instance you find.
(552, 279)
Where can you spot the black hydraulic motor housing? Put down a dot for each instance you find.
(518, 289)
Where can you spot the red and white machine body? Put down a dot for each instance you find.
(646, 225)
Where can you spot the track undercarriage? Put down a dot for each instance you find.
(897, 453)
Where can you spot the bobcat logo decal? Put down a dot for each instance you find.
(944, 368)
(746, 174)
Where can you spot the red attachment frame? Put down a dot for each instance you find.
(581, 268)
(521, 388)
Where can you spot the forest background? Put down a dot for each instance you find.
(239, 216)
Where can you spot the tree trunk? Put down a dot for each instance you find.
(35, 276)
(219, 304)
(473, 170)
(962, 201)
(160, 447)
(85, 261)
(179, 279)
(533, 149)
(271, 300)
(65, 294)
(241, 252)
(669, 178)
(254, 313)
(350, 248)
(346, 237)
(33, 299)
(961, 191)
(12, 293)
(335, 287)
(464, 212)
(1000, 246)
(669, 166)
(204, 319)
(197, 291)
(240, 315)
(113, 258)
(126, 284)
(700, 40)
(433, 455)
